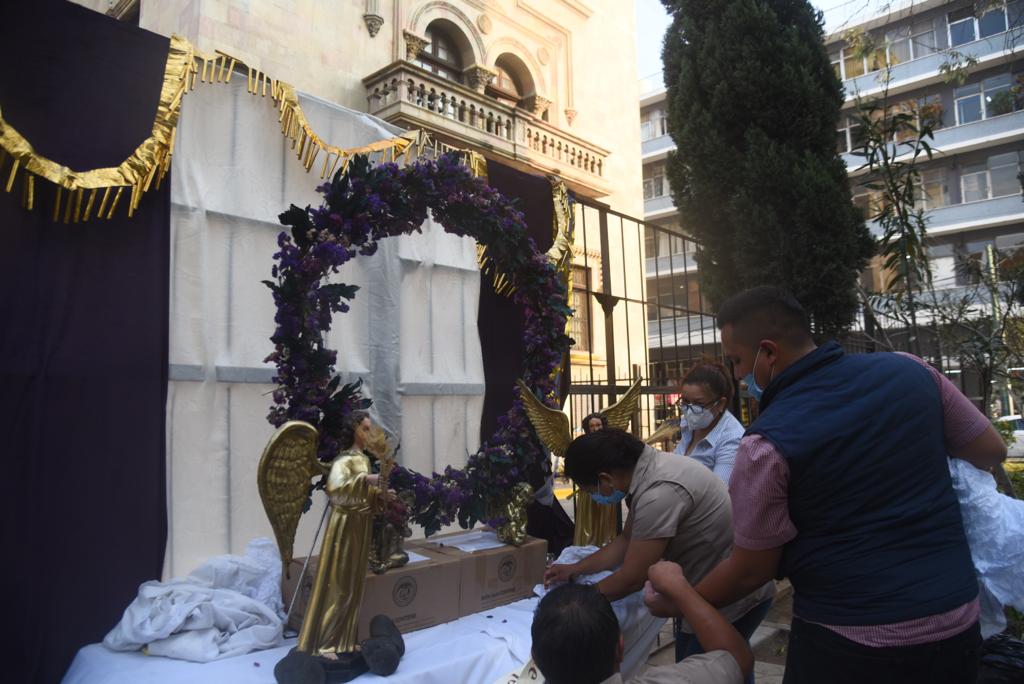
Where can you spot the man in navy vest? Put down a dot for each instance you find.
(842, 485)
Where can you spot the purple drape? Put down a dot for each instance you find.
(83, 347)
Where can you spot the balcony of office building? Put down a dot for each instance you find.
(409, 95)
(956, 218)
(927, 69)
(957, 139)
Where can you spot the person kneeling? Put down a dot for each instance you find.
(576, 638)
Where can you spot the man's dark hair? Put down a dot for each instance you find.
(575, 635)
(601, 452)
(599, 416)
(765, 313)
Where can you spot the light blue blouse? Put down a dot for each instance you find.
(718, 449)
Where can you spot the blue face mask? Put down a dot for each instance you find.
(753, 388)
(613, 499)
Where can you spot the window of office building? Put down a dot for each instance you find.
(1010, 250)
(663, 243)
(900, 44)
(837, 63)
(996, 177)
(942, 263)
(653, 124)
(990, 97)
(579, 324)
(655, 184)
(964, 27)
(849, 136)
(922, 38)
(932, 190)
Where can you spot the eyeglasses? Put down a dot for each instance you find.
(695, 409)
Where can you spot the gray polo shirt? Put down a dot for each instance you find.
(679, 499)
(717, 667)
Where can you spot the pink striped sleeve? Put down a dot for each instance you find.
(759, 489)
(963, 421)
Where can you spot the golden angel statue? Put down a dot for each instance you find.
(595, 523)
(330, 626)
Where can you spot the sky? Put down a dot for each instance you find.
(651, 22)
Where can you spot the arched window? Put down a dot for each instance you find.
(510, 87)
(441, 56)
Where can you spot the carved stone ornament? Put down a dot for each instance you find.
(485, 24)
(570, 115)
(478, 77)
(537, 104)
(373, 23)
(543, 56)
(414, 44)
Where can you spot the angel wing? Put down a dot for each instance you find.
(664, 432)
(551, 425)
(621, 412)
(287, 465)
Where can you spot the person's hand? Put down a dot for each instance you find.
(659, 605)
(559, 574)
(665, 576)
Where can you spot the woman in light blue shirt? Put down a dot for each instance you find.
(710, 434)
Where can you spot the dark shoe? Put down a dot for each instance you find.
(299, 668)
(347, 667)
(383, 626)
(381, 656)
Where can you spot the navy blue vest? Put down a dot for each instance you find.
(879, 535)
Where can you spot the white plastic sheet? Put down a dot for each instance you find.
(411, 332)
(227, 607)
(994, 524)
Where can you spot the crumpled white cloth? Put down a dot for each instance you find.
(994, 524)
(628, 609)
(228, 606)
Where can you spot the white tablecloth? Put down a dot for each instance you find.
(475, 649)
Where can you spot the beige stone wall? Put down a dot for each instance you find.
(578, 53)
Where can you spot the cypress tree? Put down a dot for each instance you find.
(753, 104)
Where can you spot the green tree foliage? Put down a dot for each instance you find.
(753, 103)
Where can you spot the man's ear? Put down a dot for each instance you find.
(769, 350)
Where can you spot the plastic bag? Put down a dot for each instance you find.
(994, 524)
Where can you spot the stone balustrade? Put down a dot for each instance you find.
(405, 94)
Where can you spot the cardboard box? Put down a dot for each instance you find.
(492, 577)
(416, 596)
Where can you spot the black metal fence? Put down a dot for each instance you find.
(639, 314)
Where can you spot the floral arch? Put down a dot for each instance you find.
(362, 205)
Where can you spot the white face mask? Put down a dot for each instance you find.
(701, 421)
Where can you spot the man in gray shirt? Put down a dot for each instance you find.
(576, 637)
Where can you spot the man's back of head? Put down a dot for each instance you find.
(765, 312)
(576, 636)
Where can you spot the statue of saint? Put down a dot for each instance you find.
(331, 623)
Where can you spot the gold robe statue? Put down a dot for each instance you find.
(595, 523)
(332, 616)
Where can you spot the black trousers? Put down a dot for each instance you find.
(818, 655)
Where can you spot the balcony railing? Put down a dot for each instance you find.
(924, 70)
(954, 218)
(995, 130)
(405, 94)
(656, 207)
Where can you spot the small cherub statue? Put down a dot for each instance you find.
(514, 530)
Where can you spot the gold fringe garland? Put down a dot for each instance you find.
(152, 159)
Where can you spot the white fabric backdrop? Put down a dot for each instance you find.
(411, 333)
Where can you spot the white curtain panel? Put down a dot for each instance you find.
(411, 333)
